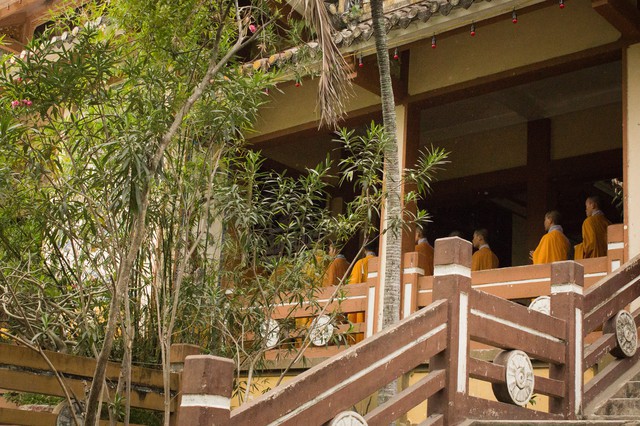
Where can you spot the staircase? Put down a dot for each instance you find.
(624, 404)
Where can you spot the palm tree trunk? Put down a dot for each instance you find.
(393, 207)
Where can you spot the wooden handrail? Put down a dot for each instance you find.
(323, 391)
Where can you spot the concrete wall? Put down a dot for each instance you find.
(293, 106)
(540, 35)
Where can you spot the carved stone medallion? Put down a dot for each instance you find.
(270, 332)
(321, 330)
(519, 378)
(541, 304)
(626, 332)
(348, 418)
(65, 415)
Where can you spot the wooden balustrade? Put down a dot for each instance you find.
(442, 333)
(519, 283)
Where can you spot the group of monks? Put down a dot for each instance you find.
(554, 246)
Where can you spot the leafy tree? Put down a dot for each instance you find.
(130, 204)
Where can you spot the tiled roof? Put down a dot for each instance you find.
(361, 30)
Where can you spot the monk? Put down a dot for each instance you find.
(554, 245)
(337, 270)
(359, 275)
(483, 258)
(594, 231)
(361, 268)
(423, 247)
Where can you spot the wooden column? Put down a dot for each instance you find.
(410, 150)
(206, 388)
(452, 281)
(631, 147)
(538, 179)
(567, 283)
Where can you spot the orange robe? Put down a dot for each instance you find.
(427, 251)
(336, 271)
(360, 270)
(484, 258)
(594, 237)
(553, 247)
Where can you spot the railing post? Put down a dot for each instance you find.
(177, 354)
(452, 281)
(567, 283)
(615, 247)
(410, 273)
(373, 298)
(207, 382)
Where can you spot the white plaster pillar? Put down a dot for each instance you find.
(631, 148)
(401, 135)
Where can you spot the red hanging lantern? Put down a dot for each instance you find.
(514, 16)
(561, 4)
(433, 42)
(473, 30)
(360, 64)
(395, 54)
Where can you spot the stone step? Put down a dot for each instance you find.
(629, 390)
(620, 407)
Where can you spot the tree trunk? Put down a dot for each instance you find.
(393, 207)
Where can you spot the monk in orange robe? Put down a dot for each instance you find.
(359, 275)
(554, 245)
(594, 231)
(337, 268)
(423, 247)
(483, 258)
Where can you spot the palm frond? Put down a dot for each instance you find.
(334, 77)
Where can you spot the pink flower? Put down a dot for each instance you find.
(27, 102)
(252, 28)
(15, 104)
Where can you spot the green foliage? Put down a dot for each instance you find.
(25, 398)
(96, 136)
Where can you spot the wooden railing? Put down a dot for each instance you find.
(441, 333)
(463, 312)
(25, 370)
(519, 283)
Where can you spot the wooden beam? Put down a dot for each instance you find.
(47, 384)
(28, 359)
(622, 15)
(538, 179)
